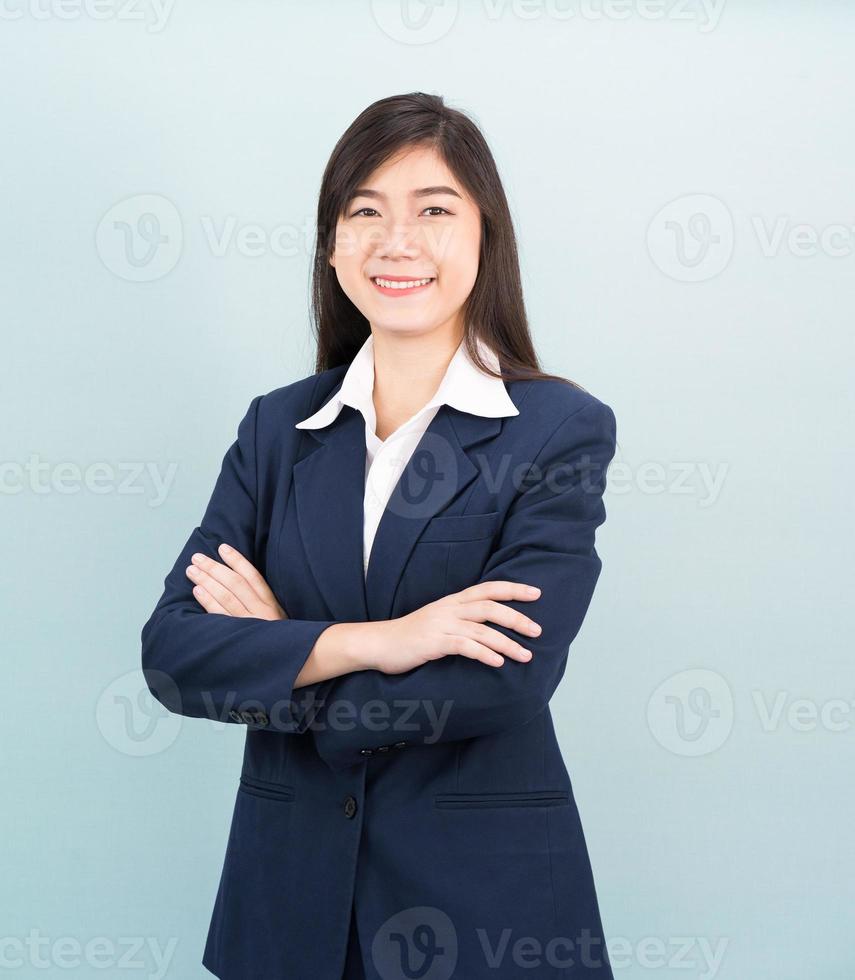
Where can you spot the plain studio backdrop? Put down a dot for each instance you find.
(680, 176)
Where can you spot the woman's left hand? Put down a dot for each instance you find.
(234, 589)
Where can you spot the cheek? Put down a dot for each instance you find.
(458, 269)
(456, 285)
(354, 284)
(349, 258)
(348, 245)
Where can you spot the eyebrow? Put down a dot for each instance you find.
(420, 192)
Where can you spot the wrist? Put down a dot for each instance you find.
(359, 645)
(367, 644)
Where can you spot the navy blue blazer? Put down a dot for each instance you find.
(436, 802)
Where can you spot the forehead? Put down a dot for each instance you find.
(410, 172)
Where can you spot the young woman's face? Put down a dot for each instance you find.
(409, 221)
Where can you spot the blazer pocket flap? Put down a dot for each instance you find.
(265, 787)
(463, 527)
(545, 797)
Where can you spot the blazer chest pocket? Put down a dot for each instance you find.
(462, 527)
(468, 801)
(448, 556)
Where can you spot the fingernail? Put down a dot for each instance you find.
(535, 630)
(225, 547)
(534, 590)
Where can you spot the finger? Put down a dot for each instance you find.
(207, 601)
(483, 610)
(244, 567)
(495, 640)
(224, 596)
(500, 589)
(227, 579)
(463, 646)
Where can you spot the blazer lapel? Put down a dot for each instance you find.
(330, 489)
(438, 470)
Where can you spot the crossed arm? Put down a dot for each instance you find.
(197, 663)
(225, 667)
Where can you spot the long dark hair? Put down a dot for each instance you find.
(494, 310)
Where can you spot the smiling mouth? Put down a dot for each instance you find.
(401, 287)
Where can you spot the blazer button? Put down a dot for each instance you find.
(366, 751)
(246, 717)
(350, 807)
(383, 748)
(400, 745)
(260, 717)
(235, 715)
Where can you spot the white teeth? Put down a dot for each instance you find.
(389, 284)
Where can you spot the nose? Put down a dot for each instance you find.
(402, 240)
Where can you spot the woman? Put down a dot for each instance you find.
(396, 556)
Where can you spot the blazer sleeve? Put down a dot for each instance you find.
(227, 668)
(547, 540)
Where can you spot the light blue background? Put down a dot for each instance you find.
(716, 807)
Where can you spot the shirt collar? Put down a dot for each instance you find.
(463, 387)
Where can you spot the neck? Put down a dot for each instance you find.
(407, 372)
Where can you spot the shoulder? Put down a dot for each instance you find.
(557, 408)
(268, 427)
(299, 399)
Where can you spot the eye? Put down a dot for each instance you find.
(432, 207)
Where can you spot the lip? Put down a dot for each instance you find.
(398, 293)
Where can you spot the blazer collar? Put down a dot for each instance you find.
(463, 387)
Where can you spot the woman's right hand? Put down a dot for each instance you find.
(455, 626)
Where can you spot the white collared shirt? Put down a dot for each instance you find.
(463, 387)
